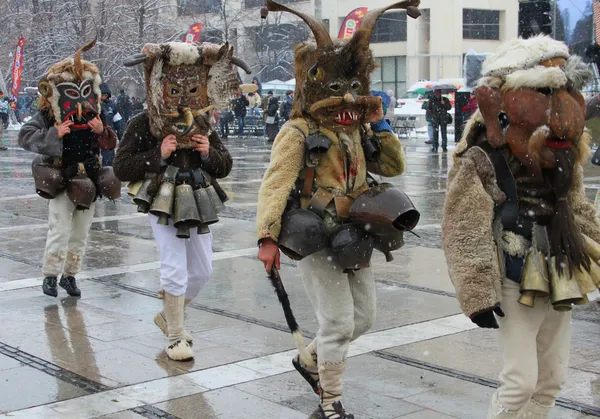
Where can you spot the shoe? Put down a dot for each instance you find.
(178, 349)
(444, 149)
(338, 413)
(434, 149)
(69, 284)
(428, 142)
(49, 286)
(2, 148)
(305, 373)
(161, 322)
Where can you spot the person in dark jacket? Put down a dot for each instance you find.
(272, 119)
(286, 106)
(438, 108)
(124, 106)
(239, 109)
(112, 117)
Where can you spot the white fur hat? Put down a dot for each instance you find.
(516, 64)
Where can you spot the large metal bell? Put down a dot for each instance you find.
(535, 279)
(142, 198)
(185, 215)
(564, 290)
(208, 214)
(215, 199)
(49, 180)
(81, 191)
(108, 183)
(162, 206)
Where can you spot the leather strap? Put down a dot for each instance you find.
(309, 177)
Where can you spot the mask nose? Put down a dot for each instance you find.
(79, 111)
(349, 98)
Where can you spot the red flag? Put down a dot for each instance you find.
(17, 69)
(352, 23)
(193, 33)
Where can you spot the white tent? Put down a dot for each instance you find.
(278, 87)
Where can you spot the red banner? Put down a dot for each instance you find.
(193, 33)
(17, 69)
(352, 23)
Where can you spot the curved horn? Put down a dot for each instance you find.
(321, 35)
(77, 58)
(368, 22)
(135, 59)
(241, 64)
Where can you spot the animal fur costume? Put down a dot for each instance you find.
(520, 238)
(332, 101)
(67, 170)
(183, 81)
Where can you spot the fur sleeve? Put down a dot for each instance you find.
(219, 161)
(391, 162)
(287, 160)
(138, 152)
(467, 239)
(38, 135)
(583, 210)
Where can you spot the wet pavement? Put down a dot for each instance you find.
(102, 356)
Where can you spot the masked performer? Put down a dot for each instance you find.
(68, 133)
(172, 155)
(316, 204)
(520, 238)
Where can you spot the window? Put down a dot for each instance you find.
(481, 24)
(191, 7)
(391, 27)
(390, 74)
(211, 35)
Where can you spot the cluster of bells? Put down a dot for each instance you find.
(542, 279)
(189, 208)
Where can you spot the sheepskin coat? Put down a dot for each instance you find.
(139, 152)
(473, 240)
(341, 171)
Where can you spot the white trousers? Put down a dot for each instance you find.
(535, 349)
(185, 264)
(344, 304)
(67, 236)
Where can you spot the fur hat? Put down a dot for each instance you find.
(517, 64)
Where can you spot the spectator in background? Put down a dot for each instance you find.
(239, 109)
(271, 117)
(259, 84)
(390, 115)
(137, 106)
(429, 124)
(438, 107)
(255, 103)
(113, 120)
(4, 109)
(286, 106)
(124, 106)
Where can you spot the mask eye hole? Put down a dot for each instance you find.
(547, 91)
(86, 91)
(175, 91)
(72, 93)
(504, 121)
(356, 85)
(316, 73)
(194, 90)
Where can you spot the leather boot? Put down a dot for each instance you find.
(69, 284)
(49, 286)
(534, 410)
(497, 411)
(178, 349)
(161, 322)
(330, 378)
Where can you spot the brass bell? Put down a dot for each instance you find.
(142, 199)
(565, 290)
(133, 188)
(584, 280)
(203, 229)
(186, 213)
(162, 206)
(214, 198)
(208, 215)
(595, 273)
(592, 248)
(534, 282)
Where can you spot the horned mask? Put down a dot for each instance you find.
(70, 90)
(333, 78)
(530, 102)
(184, 82)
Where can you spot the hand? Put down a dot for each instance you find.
(168, 146)
(96, 125)
(268, 254)
(64, 128)
(486, 319)
(377, 115)
(203, 144)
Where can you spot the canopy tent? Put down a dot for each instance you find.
(279, 87)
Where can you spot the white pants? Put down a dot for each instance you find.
(344, 303)
(67, 236)
(535, 349)
(185, 264)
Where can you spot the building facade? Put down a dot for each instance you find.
(407, 50)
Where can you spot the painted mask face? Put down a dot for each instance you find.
(185, 103)
(77, 102)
